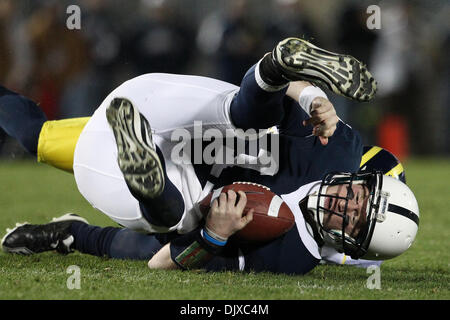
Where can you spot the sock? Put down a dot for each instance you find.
(167, 208)
(91, 239)
(269, 72)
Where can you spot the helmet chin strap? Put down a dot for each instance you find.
(334, 238)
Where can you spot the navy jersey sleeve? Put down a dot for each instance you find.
(293, 117)
(342, 153)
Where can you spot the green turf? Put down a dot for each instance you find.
(35, 193)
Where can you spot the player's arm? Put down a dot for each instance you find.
(195, 249)
(162, 259)
(323, 116)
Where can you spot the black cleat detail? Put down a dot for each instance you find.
(29, 239)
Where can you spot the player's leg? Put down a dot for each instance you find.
(21, 118)
(258, 105)
(53, 142)
(57, 141)
(117, 243)
(71, 232)
(142, 165)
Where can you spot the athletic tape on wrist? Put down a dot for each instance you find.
(215, 235)
(212, 237)
(307, 96)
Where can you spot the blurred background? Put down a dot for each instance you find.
(69, 72)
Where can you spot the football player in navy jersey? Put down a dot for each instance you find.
(122, 162)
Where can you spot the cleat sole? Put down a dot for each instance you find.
(137, 157)
(343, 74)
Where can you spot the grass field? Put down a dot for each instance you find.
(35, 193)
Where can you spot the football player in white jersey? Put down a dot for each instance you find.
(123, 166)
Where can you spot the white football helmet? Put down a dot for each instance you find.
(392, 217)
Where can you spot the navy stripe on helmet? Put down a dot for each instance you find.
(403, 212)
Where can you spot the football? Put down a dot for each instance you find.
(271, 217)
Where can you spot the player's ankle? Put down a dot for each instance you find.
(270, 73)
(267, 75)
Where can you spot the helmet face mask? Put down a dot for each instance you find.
(352, 242)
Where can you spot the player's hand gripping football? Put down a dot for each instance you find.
(323, 119)
(225, 216)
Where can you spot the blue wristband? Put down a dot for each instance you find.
(208, 238)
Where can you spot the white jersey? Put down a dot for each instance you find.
(168, 102)
(292, 200)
